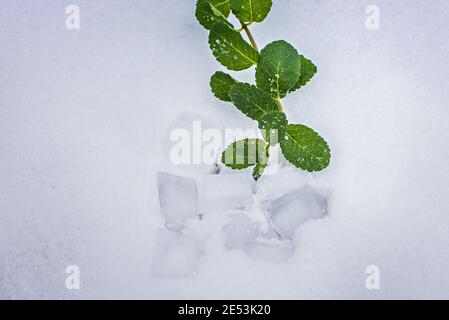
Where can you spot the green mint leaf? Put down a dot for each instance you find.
(249, 11)
(258, 171)
(211, 12)
(252, 101)
(230, 49)
(260, 167)
(221, 83)
(245, 153)
(305, 149)
(279, 68)
(273, 126)
(308, 70)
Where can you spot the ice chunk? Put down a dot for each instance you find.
(240, 231)
(194, 143)
(175, 255)
(275, 251)
(178, 197)
(224, 192)
(294, 209)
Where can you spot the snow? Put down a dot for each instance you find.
(84, 117)
(225, 192)
(175, 255)
(178, 198)
(187, 130)
(268, 251)
(240, 231)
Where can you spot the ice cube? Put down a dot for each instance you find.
(296, 208)
(178, 198)
(193, 143)
(224, 192)
(274, 251)
(175, 255)
(240, 231)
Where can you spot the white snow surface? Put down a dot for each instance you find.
(83, 122)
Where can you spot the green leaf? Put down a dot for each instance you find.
(258, 171)
(260, 167)
(245, 153)
(249, 11)
(230, 49)
(305, 149)
(279, 69)
(252, 101)
(211, 12)
(221, 83)
(273, 126)
(308, 70)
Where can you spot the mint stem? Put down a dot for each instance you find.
(279, 103)
(250, 36)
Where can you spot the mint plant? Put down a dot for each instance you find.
(280, 70)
